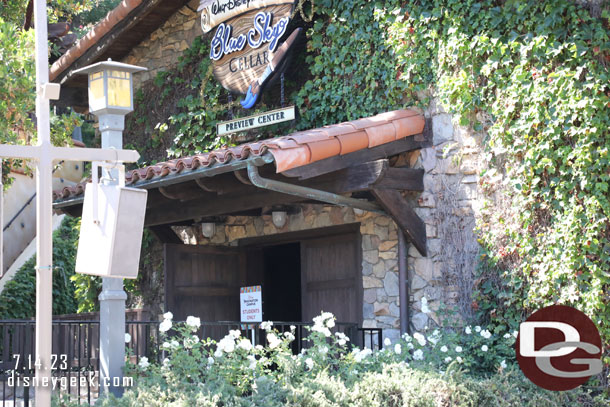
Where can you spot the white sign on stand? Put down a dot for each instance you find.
(111, 228)
(251, 304)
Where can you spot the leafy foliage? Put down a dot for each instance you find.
(16, 298)
(330, 372)
(17, 92)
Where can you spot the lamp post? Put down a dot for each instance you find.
(111, 99)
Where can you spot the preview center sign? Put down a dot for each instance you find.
(251, 304)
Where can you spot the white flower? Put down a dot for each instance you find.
(468, 330)
(327, 315)
(507, 336)
(165, 345)
(253, 362)
(190, 342)
(459, 359)
(127, 338)
(174, 344)
(418, 355)
(484, 348)
(458, 349)
(397, 349)
(193, 322)
(330, 323)
(144, 363)
(168, 315)
(435, 337)
(322, 329)
(235, 333)
(410, 345)
(406, 337)
(486, 334)
(424, 306)
(448, 359)
(360, 355)
(165, 326)
(245, 345)
(210, 360)
(444, 349)
(342, 339)
(420, 338)
(226, 344)
(309, 363)
(273, 341)
(165, 362)
(477, 328)
(289, 336)
(503, 364)
(324, 350)
(293, 328)
(387, 342)
(266, 325)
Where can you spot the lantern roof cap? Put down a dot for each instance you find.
(110, 64)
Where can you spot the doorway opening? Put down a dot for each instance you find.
(282, 283)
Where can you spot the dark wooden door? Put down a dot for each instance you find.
(204, 282)
(331, 279)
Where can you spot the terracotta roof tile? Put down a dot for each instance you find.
(92, 37)
(291, 151)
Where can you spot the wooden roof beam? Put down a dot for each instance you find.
(404, 216)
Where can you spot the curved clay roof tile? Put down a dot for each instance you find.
(292, 151)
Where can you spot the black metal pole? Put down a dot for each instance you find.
(403, 284)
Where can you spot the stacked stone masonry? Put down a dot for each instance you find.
(162, 49)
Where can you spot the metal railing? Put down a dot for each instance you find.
(76, 351)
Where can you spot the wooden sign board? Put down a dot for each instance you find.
(260, 120)
(247, 33)
(251, 304)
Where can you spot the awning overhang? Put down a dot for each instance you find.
(221, 183)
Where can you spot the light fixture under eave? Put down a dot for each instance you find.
(279, 218)
(208, 229)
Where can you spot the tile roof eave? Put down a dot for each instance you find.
(287, 152)
(171, 179)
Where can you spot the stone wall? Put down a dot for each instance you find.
(161, 50)
(448, 206)
(379, 252)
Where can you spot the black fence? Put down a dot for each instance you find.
(76, 352)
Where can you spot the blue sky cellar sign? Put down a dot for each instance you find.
(246, 45)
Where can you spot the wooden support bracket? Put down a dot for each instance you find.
(404, 216)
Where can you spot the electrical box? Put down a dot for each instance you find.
(111, 230)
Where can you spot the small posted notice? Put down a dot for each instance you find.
(251, 301)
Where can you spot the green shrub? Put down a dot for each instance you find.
(17, 298)
(231, 372)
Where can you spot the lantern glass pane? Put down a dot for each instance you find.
(97, 100)
(119, 92)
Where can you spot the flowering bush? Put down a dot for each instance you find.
(426, 369)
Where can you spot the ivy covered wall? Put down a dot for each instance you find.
(529, 77)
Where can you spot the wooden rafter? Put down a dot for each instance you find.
(404, 216)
